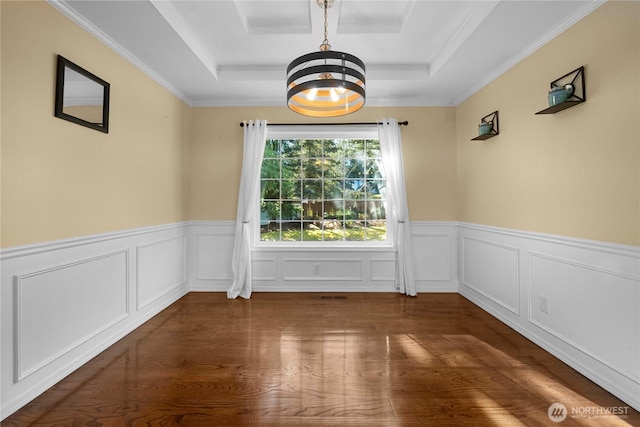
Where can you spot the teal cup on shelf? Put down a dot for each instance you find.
(484, 128)
(558, 95)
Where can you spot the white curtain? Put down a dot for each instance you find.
(398, 218)
(255, 135)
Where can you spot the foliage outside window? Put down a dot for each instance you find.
(323, 190)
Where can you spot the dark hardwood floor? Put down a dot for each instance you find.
(321, 359)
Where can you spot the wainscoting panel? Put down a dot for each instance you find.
(265, 269)
(70, 304)
(64, 302)
(210, 252)
(321, 270)
(586, 306)
(580, 299)
(337, 269)
(161, 268)
(435, 256)
(491, 269)
(342, 269)
(382, 269)
(436, 250)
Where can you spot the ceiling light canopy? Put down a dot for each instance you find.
(326, 83)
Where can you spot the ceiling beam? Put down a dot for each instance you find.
(473, 21)
(173, 18)
(278, 72)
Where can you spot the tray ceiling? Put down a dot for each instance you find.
(235, 52)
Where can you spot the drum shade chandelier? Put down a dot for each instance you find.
(326, 83)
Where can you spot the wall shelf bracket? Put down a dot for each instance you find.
(495, 128)
(575, 78)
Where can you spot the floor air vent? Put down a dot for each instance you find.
(333, 297)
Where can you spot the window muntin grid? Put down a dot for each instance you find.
(323, 190)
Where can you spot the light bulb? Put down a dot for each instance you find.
(311, 95)
(341, 90)
(334, 95)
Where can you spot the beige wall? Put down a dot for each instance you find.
(575, 173)
(428, 143)
(63, 180)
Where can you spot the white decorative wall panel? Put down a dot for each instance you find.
(160, 268)
(333, 269)
(322, 269)
(64, 302)
(582, 298)
(382, 269)
(214, 257)
(264, 269)
(209, 255)
(491, 269)
(588, 307)
(59, 308)
(435, 256)
(116, 281)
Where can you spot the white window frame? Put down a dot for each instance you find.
(321, 132)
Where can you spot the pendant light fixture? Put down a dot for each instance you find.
(326, 83)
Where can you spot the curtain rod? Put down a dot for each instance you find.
(405, 123)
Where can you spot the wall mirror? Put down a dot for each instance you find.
(81, 97)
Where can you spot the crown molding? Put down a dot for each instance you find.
(65, 9)
(546, 38)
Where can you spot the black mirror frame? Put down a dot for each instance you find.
(62, 64)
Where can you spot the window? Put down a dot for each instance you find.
(323, 189)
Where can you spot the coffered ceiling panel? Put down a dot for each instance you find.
(235, 52)
(274, 17)
(373, 17)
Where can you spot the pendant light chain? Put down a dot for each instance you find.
(325, 43)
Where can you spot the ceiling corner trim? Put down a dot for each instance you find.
(414, 71)
(570, 21)
(173, 18)
(546, 38)
(66, 10)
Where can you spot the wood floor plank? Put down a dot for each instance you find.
(320, 360)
